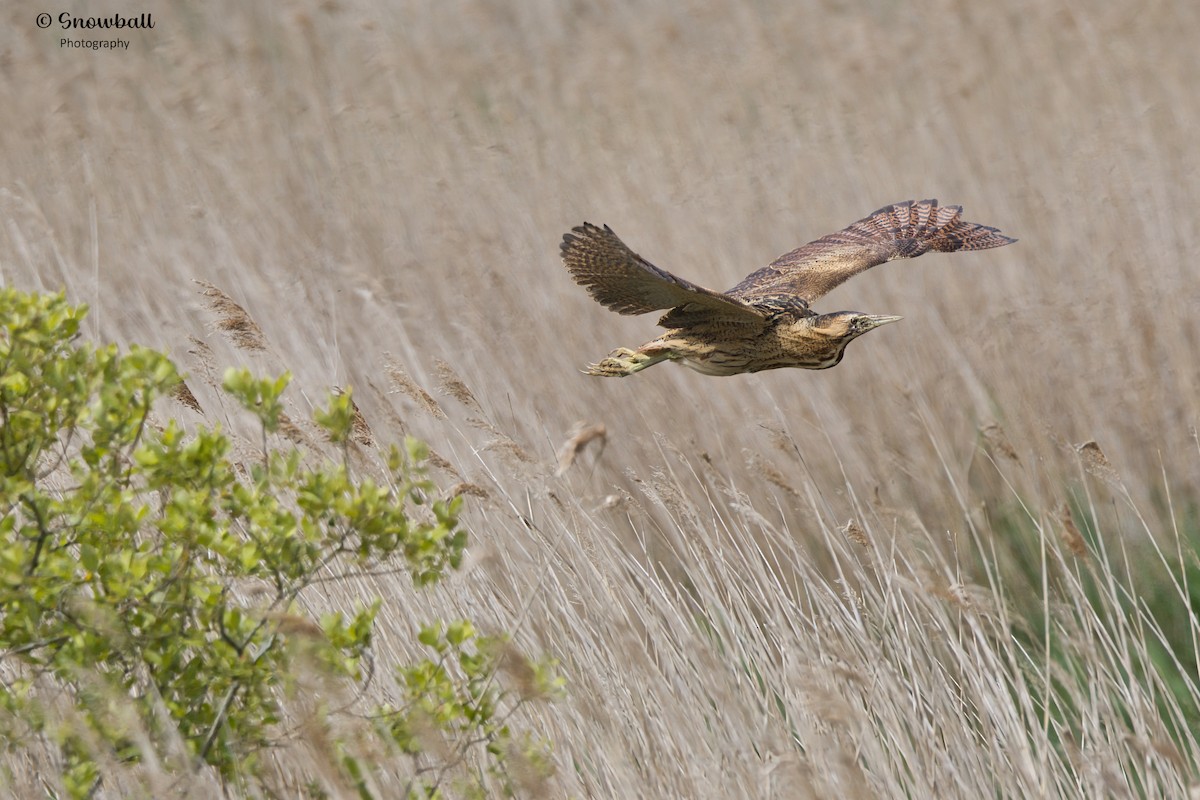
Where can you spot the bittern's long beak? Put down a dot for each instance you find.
(882, 319)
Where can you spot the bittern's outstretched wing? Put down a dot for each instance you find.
(623, 281)
(903, 230)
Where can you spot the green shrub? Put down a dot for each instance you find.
(126, 553)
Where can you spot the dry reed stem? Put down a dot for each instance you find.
(505, 445)
(202, 355)
(437, 460)
(855, 533)
(201, 351)
(467, 488)
(450, 384)
(183, 393)
(667, 493)
(996, 438)
(1096, 463)
(232, 319)
(401, 382)
(1071, 536)
(396, 423)
(483, 425)
(612, 501)
(360, 431)
(291, 431)
(579, 438)
(773, 475)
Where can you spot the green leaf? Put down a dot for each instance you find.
(337, 418)
(458, 632)
(431, 636)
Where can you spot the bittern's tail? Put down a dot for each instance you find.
(919, 226)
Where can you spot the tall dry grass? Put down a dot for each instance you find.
(381, 188)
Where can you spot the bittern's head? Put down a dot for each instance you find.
(847, 325)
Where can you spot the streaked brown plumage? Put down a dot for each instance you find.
(765, 321)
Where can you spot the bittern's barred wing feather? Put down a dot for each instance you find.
(623, 281)
(903, 230)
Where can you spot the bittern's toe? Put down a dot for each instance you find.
(606, 369)
(620, 363)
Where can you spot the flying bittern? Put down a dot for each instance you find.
(765, 321)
